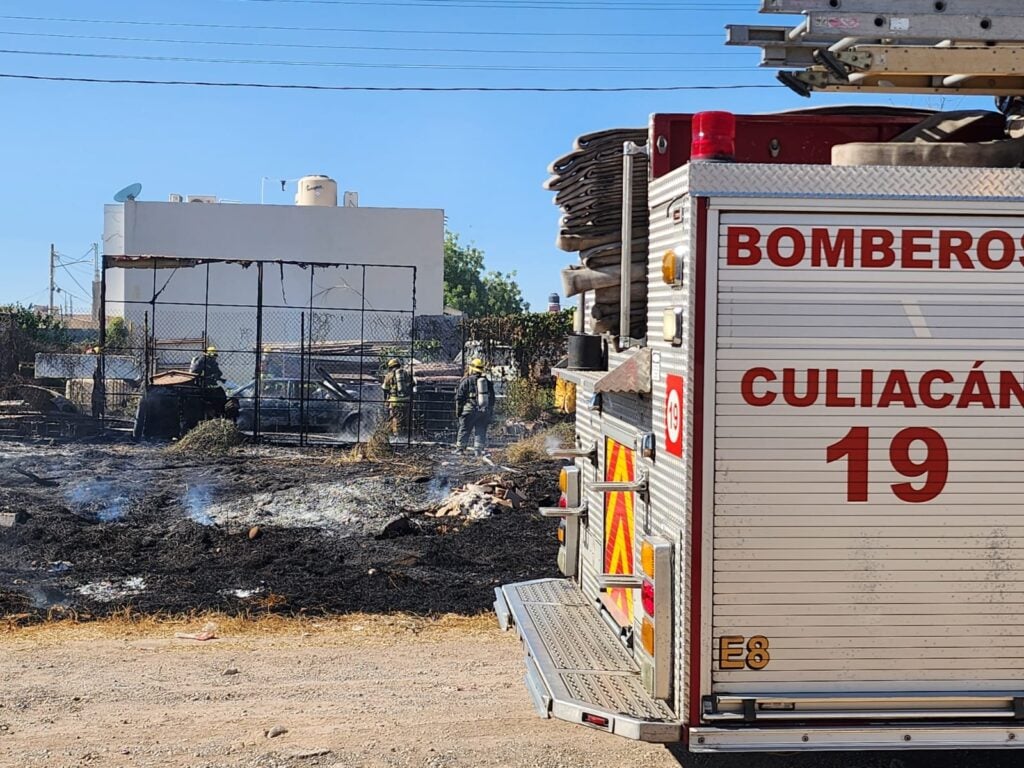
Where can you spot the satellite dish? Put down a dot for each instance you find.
(130, 192)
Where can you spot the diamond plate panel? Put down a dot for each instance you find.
(616, 693)
(577, 639)
(578, 657)
(558, 592)
(868, 182)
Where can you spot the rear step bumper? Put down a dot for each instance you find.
(576, 669)
(855, 738)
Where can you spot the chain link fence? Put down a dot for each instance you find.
(302, 352)
(300, 348)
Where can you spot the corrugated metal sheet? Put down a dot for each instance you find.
(873, 559)
(672, 218)
(633, 377)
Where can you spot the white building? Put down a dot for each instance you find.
(370, 295)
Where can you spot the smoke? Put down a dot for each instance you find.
(100, 499)
(438, 489)
(198, 500)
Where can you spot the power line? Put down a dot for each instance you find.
(74, 279)
(534, 5)
(311, 46)
(366, 31)
(660, 4)
(388, 89)
(357, 64)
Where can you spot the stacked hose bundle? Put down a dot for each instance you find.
(588, 186)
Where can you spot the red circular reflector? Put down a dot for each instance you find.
(714, 136)
(563, 502)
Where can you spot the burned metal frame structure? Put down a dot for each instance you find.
(302, 345)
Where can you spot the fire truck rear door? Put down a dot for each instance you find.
(868, 543)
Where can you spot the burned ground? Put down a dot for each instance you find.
(116, 525)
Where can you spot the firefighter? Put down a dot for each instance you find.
(397, 393)
(207, 369)
(474, 405)
(209, 377)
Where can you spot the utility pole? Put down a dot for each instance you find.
(53, 278)
(96, 277)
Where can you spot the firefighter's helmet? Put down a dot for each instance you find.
(211, 351)
(477, 365)
(394, 362)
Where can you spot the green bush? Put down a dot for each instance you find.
(525, 400)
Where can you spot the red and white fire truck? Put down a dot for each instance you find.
(793, 518)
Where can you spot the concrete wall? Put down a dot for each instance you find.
(375, 236)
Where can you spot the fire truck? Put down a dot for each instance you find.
(793, 516)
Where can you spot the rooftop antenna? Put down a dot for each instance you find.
(130, 192)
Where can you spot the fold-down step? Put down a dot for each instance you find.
(576, 669)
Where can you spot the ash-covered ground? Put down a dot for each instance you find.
(111, 525)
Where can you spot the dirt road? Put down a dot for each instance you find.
(357, 692)
(362, 693)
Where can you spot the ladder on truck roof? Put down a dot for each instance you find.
(962, 47)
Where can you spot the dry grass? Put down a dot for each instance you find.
(379, 445)
(129, 625)
(536, 448)
(216, 437)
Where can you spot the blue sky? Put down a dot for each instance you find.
(66, 148)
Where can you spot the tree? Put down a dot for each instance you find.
(468, 288)
(44, 331)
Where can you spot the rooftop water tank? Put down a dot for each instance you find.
(317, 190)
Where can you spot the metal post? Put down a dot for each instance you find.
(362, 355)
(580, 321)
(206, 323)
(101, 372)
(309, 352)
(625, 293)
(152, 310)
(412, 360)
(258, 374)
(146, 373)
(302, 377)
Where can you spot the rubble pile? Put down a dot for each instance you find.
(481, 499)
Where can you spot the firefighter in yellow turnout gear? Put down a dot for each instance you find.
(474, 405)
(398, 395)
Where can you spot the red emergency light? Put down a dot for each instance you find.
(714, 136)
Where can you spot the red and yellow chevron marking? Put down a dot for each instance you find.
(620, 467)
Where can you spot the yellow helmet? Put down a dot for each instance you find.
(477, 364)
(394, 362)
(211, 351)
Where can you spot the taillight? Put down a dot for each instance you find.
(561, 532)
(655, 630)
(647, 597)
(563, 481)
(647, 559)
(563, 502)
(647, 636)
